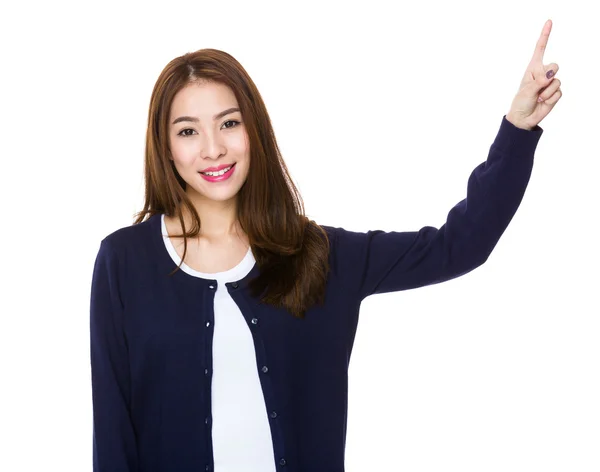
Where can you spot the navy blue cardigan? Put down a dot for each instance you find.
(151, 345)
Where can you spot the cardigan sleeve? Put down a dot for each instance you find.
(114, 443)
(378, 261)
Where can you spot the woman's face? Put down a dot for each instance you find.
(204, 137)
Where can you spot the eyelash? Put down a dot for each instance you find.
(186, 129)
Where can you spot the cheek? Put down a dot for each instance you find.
(240, 143)
(183, 156)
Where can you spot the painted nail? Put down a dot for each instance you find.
(549, 74)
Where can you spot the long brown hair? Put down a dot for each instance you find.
(291, 251)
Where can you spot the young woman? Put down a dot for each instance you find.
(222, 320)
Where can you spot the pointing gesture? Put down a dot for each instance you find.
(539, 90)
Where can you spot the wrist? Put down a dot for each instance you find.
(511, 119)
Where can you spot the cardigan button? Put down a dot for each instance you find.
(235, 285)
(212, 287)
(265, 369)
(282, 461)
(254, 320)
(273, 414)
(207, 324)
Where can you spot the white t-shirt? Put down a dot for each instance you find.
(241, 434)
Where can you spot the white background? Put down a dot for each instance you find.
(382, 110)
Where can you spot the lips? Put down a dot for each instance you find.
(217, 169)
(218, 178)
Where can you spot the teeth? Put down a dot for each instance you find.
(221, 172)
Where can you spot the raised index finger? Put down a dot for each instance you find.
(540, 47)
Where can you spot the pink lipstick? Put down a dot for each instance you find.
(219, 178)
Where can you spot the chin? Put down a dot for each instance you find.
(217, 196)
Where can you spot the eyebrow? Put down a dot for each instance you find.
(195, 120)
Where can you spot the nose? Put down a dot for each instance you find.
(212, 147)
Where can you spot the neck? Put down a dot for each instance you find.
(218, 219)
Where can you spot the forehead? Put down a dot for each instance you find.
(203, 99)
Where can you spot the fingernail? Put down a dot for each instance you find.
(549, 74)
(540, 99)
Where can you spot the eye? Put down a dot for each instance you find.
(232, 121)
(183, 133)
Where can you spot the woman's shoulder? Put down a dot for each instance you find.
(132, 235)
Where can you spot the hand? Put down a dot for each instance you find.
(526, 110)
